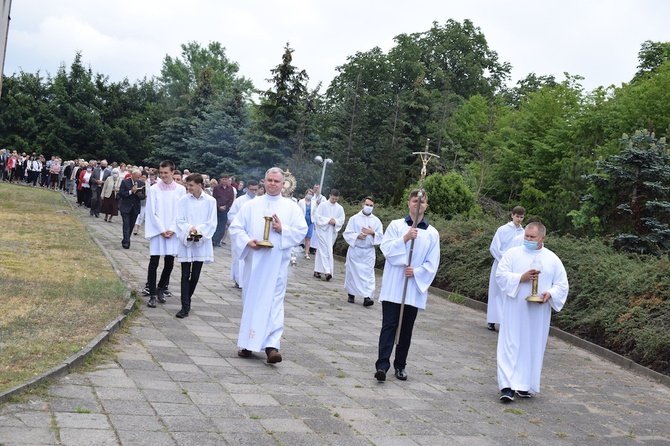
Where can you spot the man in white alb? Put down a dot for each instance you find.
(265, 272)
(196, 224)
(503, 240)
(524, 328)
(160, 228)
(328, 220)
(364, 231)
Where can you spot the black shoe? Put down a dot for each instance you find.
(145, 291)
(507, 395)
(244, 353)
(524, 394)
(161, 296)
(317, 275)
(367, 302)
(401, 374)
(152, 302)
(328, 277)
(182, 314)
(351, 298)
(491, 326)
(167, 292)
(125, 246)
(380, 375)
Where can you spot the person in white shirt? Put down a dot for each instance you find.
(364, 231)
(328, 220)
(396, 245)
(524, 328)
(502, 241)
(196, 223)
(160, 228)
(265, 273)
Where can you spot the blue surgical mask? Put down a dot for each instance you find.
(368, 209)
(529, 245)
(309, 196)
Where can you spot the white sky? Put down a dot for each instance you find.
(597, 39)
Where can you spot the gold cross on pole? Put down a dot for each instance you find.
(425, 157)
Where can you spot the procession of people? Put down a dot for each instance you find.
(187, 215)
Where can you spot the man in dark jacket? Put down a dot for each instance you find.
(131, 193)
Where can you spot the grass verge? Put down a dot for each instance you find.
(57, 288)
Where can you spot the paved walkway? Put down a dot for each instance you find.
(180, 382)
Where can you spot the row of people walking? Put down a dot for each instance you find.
(182, 223)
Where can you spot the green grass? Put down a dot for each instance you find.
(57, 288)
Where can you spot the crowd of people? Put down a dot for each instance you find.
(186, 216)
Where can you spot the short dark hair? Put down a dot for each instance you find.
(335, 192)
(196, 178)
(519, 210)
(177, 172)
(167, 163)
(252, 183)
(368, 198)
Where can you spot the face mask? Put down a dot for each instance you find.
(309, 196)
(368, 209)
(115, 175)
(88, 170)
(530, 246)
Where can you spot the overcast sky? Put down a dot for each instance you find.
(596, 39)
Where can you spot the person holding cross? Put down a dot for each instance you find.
(412, 250)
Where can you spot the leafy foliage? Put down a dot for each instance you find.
(630, 196)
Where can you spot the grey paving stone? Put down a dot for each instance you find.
(250, 439)
(74, 405)
(136, 423)
(166, 409)
(166, 396)
(189, 424)
(127, 407)
(27, 436)
(199, 439)
(135, 438)
(81, 420)
(109, 393)
(88, 437)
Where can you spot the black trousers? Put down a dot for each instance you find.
(32, 177)
(190, 274)
(390, 318)
(129, 219)
(168, 264)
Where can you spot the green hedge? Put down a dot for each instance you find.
(618, 301)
